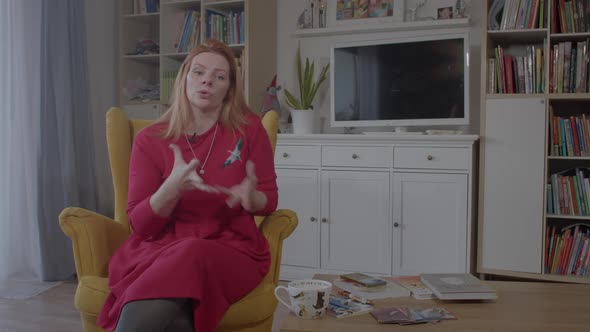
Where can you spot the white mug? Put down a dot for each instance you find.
(309, 298)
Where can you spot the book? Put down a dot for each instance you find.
(389, 290)
(341, 307)
(363, 279)
(407, 316)
(458, 286)
(414, 285)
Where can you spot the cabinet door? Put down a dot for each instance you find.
(356, 226)
(430, 223)
(298, 191)
(513, 179)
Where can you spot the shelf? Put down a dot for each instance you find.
(567, 216)
(576, 36)
(176, 56)
(139, 102)
(567, 158)
(226, 4)
(383, 27)
(568, 96)
(182, 4)
(515, 95)
(142, 17)
(147, 58)
(181, 56)
(520, 36)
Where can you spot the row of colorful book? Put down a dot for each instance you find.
(568, 69)
(567, 250)
(188, 30)
(568, 192)
(522, 14)
(569, 136)
(227, 27)
(516, 73)
(570, 16)
(146, 6)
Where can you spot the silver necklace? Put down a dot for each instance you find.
(202, 170)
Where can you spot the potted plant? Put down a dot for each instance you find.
(301, 108)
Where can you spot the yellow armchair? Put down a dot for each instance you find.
(95, 238)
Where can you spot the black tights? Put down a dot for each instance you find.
(157, 315)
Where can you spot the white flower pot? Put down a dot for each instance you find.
(303, 121)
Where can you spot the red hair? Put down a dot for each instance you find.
(234, 111)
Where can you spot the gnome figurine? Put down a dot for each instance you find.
(271, 102)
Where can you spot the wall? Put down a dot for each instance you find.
(318, 49)
(101, 31)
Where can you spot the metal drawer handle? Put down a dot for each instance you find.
(354, 156)
(285, 154)
(396, 224)
(324, 220)
(313, 219)
(430, 157)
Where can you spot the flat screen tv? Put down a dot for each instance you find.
(417, 81)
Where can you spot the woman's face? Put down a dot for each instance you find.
(208, 81)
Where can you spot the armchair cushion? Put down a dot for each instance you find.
(91, 294)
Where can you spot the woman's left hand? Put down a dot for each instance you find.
(245, 193)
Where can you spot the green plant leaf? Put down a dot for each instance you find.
(308, 86)
(291, 100)
(299, 72)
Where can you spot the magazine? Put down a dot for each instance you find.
(340, 307)
(415, 286)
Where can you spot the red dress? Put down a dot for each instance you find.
(205, 250)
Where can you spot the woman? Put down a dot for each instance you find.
(193, 189)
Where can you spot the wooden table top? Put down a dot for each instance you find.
(521, 306)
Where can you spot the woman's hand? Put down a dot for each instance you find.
(184, 176)
(245, 193)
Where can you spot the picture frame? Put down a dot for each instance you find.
(444, 13)
(360, 12)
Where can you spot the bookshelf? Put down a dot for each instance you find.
(535, 157)
(146, 79)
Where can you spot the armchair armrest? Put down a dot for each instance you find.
(94, 239)
(277, 227)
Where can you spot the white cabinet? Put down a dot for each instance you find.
(299, 191)
(398, 205)
(355, 221)
(512, 227)
(429, 218)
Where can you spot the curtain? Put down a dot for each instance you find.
(20, 36)
(66, 170)
(46, 146)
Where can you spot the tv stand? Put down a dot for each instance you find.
(331, 181)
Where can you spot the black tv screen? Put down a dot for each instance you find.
(409, 82)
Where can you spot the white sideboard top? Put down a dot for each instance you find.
(377, 139)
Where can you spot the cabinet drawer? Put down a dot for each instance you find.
(422, 157)
(360, 156)
(297, 155)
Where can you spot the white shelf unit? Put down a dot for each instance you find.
(383, 27)
(516, 162)
(258, 50)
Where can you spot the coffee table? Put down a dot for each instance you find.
(521, 306)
